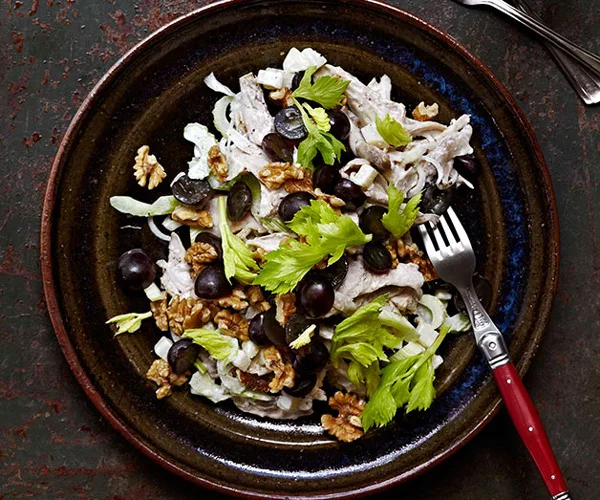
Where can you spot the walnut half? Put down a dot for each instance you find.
(347, 426)
(274, 175)
(283, 373)
(161, 374)
(147, 169)
(285, 304)
(424, 113)
(232, 324)
(185, 314)
(193, 217)
(411, 253)
(217, 163)
(199, 255)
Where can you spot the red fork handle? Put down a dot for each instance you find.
(529, 426)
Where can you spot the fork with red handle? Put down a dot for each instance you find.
(452, 256)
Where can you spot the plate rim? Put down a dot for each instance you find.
(54, 309)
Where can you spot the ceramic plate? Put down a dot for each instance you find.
(147, 98)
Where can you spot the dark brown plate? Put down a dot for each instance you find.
(147, 98)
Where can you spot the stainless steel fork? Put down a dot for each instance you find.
(578, 53)
(451, 253)
(585, 83)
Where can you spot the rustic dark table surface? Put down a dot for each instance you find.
(53, 443)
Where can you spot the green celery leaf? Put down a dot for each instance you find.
(422, 393)
(219, 346)
(397, 220)
(404, 381)
(327, 235)
(328, 91)
(238, 259)
(320, 117)
(317, 141)
(392, 132)
(128, 323)
(304, 338)
(285, 267)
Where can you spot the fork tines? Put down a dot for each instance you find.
(451, 236)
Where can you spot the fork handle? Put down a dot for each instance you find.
(585, 57)
(529, 426)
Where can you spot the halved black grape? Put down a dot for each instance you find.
(467, 165)
(289, 124)
(191, 191)
(256, 330)
(325, 178)
(377, 258)
(136, 270)
(277, 148)
(211, 283)
(273, 330)
(211, 239)
(182, 355)
(297, 79)
(340, 125)
(239, 200)
(304, 383)
(351, 193)
(297, 325)
(370, 223)
(316, 296)
(312, 357)
(436, 201)
(292, 203)
(336, 272)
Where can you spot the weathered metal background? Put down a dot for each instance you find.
(53, 443)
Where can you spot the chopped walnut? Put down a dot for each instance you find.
(282, 96)
(424, 113)
(161, 374)
(147, 169)
(185, 314)
(159, 311)
(257, 299)
(297, 185)
(255, 382)
(411, 253)
(277, 173)
(259, 256)
(347, 426)
(232, 324)
(193, 217)
(333, 201)
(235, 300)
(284, 375)
(217, 163)
(285, 304)
(391, 247)
(198, 255)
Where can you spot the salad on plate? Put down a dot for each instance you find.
(292, 276)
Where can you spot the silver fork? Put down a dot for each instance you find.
(452, 256)
(578, 53)
(581, 79)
